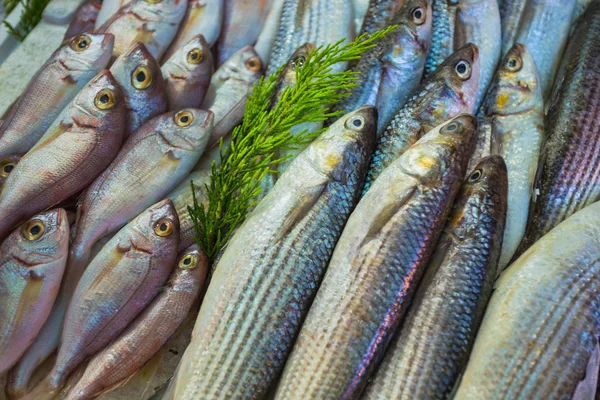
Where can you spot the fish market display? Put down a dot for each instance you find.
(432, 347)
(567, 178)
(84, 19)
(139, 76)
(376, 266)
(287, 220)
(32, 263)
(56, 83)
(121, 280)
(392, 71)
(187, 74)
(78, 146)
(449, 92)
(540, 328)
(442, 33)
(148, 332)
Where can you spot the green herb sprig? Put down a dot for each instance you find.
(30, 16)
(235, 183)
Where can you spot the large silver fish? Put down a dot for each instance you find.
(139, 76)
(427, 355)
(117, 285)
(450, 91)
(376, 266)
(187, 74)
(51, 89)
(148, 332)
(266, 37)
(78, 146)
(84, 19)
(32, 262)
(567, 178)
(379, 15)
(108, 9)
(153, 23)
(541, 325)
(510, 17)
(236, 352)
(7, 165)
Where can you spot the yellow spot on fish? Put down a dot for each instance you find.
(438, 111)
(502, 100)
(427, 162)
(332, 160)
(397, 50)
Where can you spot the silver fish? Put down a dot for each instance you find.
(442, 33)
(510, 17)
(266, 38)
(108, 9)
(378, 15)
(84, 19)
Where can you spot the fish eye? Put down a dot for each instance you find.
(463, 69)
(105, 99)
(418, 16)
(163, 227)
(514, 63)
(141, 77)
(80, 43)
(299, 61)
(355, 123)
(253, 64)
(183, 118)
(195, 56)
(33, 229)
(188, 261)
(6, 168)
(475, 176)
(452, 127)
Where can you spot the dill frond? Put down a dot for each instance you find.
(9, 5)
(235, 183)
(30, 16)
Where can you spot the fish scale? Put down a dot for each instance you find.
(442, 34)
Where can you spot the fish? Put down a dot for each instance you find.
(449, 92)
(76, 148)
(242, 23)
(379, 15)
(235, 352)
(228, 91)
(153, 23)
(442, 34)
(144, 90)
(515, 113)
(117, 285)
(425, 358)
(266, 37)
(152, 162)
(546, 45)
(32, 263)
(376, 266)
(478, 22)
(182, 198)
(321, 22)
(361, 7)
(391, 72)
(84, 19)
(511, 12)
(7, 165)
(51, 89)
(60, 12)
(529, 345)
(148, 332)
(580, 8)
(566, 179)
(108, 9)
(187, 74)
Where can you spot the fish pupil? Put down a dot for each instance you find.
(187, 261)
(34, 230)
(8, 168)
(83, 44)
(418, 14)
(461, 68)
(163, 227)
(194, 56)
(452, 127)
(512, 63)
(357, 123)
(185, 119)
(141, 76)
(104, 99)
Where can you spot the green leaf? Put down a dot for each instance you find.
(30, 16)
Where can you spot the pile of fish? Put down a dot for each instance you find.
(440, 239)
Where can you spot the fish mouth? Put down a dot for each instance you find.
(109, 39)
(177, 77)
(190, 146)
(210, 116)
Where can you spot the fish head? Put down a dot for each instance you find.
(194, 57)
(346, 146)
(192, 267)
(87, 51)
(460, 74)
(516, 87)
(137, 72)
(100, 102)
(156, 229)
(41, 240)
(186, 130)
(244, 65)
(298, 59)
(441, 150)
(411, 38)
(7, 164)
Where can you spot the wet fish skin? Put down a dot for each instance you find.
(531, 346)
(144, 90)
(235, 353)
(510, 16)
(51, 89)
(84, 19)
(376, 266)
(444, 95)
(77, 147)
(478, 22)
(391, 72)
(148, 332)
(432, 347)
(7, 165)
(266, 37)
(242, 23)
(228, 91)
(117, 285)
(202, 17)
(108, 9)
(32, 262)
(379, 15)
(442, 34)
(151, 23)
(187, 74)
(546, 45)
(567, 179)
